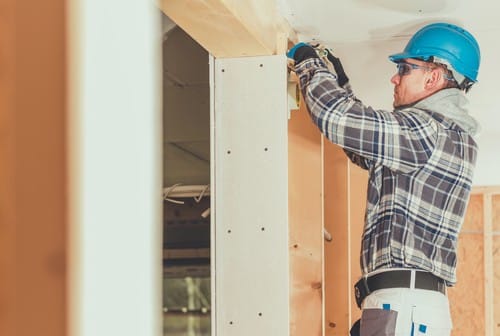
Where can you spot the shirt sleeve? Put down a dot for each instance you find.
(400, 140)
(358, 160)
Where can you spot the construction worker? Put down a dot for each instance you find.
(420, 158)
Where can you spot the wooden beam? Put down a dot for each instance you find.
(32, 168)
(488, 266)
(305, 224)
(228, 28)
(345, 203)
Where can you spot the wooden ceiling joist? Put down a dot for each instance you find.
(228, 28)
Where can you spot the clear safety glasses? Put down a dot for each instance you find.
(405, 68)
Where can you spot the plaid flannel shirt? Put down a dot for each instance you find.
(420, 167)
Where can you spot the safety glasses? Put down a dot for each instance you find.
(405, 68)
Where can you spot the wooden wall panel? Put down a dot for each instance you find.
(496, 262)
(32, 168)
(496, 282)
(474, 217)
(467, 306)
(337, 254)
(496, 213)
(475, 301)
(305, 225)
(345, 203)
(359, 183)
(467, 297)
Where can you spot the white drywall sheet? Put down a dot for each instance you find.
(114, 148)
(251, 197)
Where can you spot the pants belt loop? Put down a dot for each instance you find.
(412, 279)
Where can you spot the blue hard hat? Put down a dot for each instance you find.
(448, 42)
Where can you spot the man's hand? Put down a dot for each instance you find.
(302, 51)
(337, 65)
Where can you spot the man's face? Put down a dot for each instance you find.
(409, 82)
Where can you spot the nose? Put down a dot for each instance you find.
(395, 79)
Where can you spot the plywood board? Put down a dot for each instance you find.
(306, 228)
(467, 297)
(496, 284)
(358, 180)
(337, 254)
(345, 203)
(474, 216)
(250, 191)
(496, 214)
(496, 262)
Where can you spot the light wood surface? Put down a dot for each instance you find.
(305, 225)
(32, 168)
(228, 28)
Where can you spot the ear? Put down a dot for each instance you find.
(434, 79)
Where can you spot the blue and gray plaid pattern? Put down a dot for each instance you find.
(420, 167)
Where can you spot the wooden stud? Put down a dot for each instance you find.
(488, 266)
(305, 225)
(230, 28)
(345, 202)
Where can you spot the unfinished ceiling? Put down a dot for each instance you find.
(186, 109)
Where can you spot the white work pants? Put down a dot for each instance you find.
(406, 312)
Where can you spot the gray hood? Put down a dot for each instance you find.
(452, 104)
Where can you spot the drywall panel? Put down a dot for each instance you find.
(186, 163)
(186, 113)
(185, 62)
(306, 224)
(251, 196)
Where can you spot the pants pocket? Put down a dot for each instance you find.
(378, 322)
(430, 322)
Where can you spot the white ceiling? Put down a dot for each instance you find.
(362, 20)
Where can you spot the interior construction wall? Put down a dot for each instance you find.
(475, 300)
(345, 201)
(496, 262)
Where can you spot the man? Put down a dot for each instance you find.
(420, 159)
